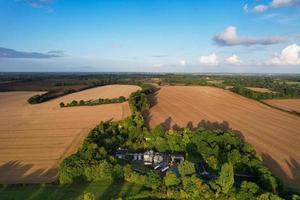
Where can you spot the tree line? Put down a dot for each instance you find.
(99, 101)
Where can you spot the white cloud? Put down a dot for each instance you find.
(211, 60)
(274, 4)
(229, 37)
(282, 3)
(245, 8)
(182, 62)
(233, 60)
(260, 8)
(290, 55)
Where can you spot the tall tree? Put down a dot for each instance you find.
(226, 178)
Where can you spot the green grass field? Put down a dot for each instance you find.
(105, 189)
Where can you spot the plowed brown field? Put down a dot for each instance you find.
(34, 139)
(274, 134)
(292, 105)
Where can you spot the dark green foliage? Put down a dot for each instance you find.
(138, 102)
(248, 191)
(69, 91)
(41, 97)
(252, 94)
(153, 180)
(121, 99)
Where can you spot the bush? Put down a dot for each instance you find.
(171, 179)
(186, 168)
(88, 196)
(153, 180)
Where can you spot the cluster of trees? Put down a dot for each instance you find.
(41, 97)
(95, 154)
(100, 101)
(49, 95)
(280, 86)
(253, 94)
(223, 153)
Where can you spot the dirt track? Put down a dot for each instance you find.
(274, 134)
(35, 138)
(292, 105)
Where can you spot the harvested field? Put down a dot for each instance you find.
(105, 92)
(292, 105)
(262, 90)
(274, 134)
(34, 139)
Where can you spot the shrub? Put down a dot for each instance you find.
(171, 179)
(88, 196)
(186, 168)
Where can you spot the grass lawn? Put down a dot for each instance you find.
(105, 189)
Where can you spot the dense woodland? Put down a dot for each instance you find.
(225, 155)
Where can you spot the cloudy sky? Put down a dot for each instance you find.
(258, 36)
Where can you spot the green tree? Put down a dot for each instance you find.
(118, 172)
(186, 168)
(81, 102)
(74, 103)
(158, 131)
(247, 191)
(171, 179)
(226, 178)
(88, 196)
(153, 180)
(122, 99)
(268, 196)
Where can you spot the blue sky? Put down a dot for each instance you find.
(150, 35)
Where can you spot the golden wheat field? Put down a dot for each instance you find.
(34, 139)
(274, 134)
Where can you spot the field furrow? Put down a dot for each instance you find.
(34, 139)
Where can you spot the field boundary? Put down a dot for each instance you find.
(281, 109)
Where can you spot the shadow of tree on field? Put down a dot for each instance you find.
(152, 98)
(14, 172)
(169, 123)
(23, 184)
(276, 168)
